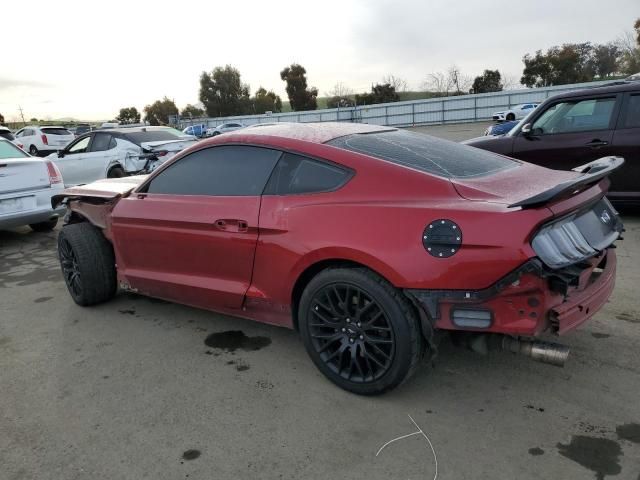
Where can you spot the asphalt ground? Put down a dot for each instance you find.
(130, 390)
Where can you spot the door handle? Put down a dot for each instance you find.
(232, 225)
(595, 143)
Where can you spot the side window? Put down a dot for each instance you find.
(101, 142)
(218, 171)
(112, 143)
(296, 174)
(80, 146)
(632, 115)
(575, 116)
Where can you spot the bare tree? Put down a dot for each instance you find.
(510, 82)
(398, 83)
(340, 90)
(438, 83)
(460, 82)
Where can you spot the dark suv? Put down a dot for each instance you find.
(574, 128)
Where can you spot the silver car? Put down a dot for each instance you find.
(224, 128)
(26, 186)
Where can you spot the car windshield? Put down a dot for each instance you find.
(55, 131)
(7, 134)
(154, 135)
(425, 153)
(9, 150)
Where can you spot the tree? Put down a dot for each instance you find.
(264, 101)
(605, 59)
(223, 94)
(399, 84)
(569, 63)
(629, 45)
(192, 111)
(128, 115)
(33, 120)
(159, 111)
(380, 93)
(438, 83)
(1, 119)
(489, 81)
(460, 82)
(340, 96)
(301, 98)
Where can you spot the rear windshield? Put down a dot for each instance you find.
(56, 131)
(425, 153)
(9, 150)
(152, 136)
(7, 134)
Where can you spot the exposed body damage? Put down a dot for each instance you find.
(95, 201)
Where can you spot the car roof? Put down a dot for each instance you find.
(320, 132)
(612, 87)
(5, 128)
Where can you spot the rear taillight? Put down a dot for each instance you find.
(44, 139)
(161, 153)
(54, 174)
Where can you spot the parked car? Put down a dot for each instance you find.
(112, 153)
(574, 128)
(501, 128)
(26, 187)
(196, 130)
(8, 135)
(516, 113)
(44, 140)
(224, 128)
(365, 239)
(81, 129)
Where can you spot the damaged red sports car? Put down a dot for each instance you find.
(367, 240)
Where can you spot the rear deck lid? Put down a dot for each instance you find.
(19, 171)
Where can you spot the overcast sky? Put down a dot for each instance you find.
(86, 59)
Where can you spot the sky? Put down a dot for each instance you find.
(86, 60)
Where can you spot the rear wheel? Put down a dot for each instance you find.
(88, 264)
(116, 172)
(44, 226)
(510, 117)
(359, 330)
(33, 151)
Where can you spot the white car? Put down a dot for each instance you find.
(515, 113)
(117, 152)
(26, 186)
(223, 128)
(44, 140)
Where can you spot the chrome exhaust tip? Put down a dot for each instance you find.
(545, 352)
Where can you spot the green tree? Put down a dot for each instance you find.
(489, 81)
(569, 63)
(159, 111)
(380, 93)
(34, 120)
(128, 115)
(1, 118)
(192, 111)
(264, 101)
(223, 94)
(606, 59)
(301, 97)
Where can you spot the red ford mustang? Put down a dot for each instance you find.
(367, 240)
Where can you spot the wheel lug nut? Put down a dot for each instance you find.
(361, 337)
(344, 329)
(351, 340)
(348, 320)
(359, 324)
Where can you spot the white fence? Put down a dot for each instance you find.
(460, 109)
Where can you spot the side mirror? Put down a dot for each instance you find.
(526, 129)
(60, 153)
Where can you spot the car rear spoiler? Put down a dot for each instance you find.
(592, 173)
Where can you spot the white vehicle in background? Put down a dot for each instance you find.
(515, 113)
(8, 135)
(26, 186)
(44, 140)
(223, 128)
(117, 152)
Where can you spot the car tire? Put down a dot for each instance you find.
(215, 133)
(88, 264)
(46, 226)
(355, 311)
(116, 172)
(510, 117)
(33, 151)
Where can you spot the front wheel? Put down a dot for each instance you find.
(116, 172)
(88, 264)
(359, 330)
(33, 151)
(511, 117)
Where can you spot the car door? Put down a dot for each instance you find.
(71, 163)
(101, 155)
(189, 233)
(625, 183)
(27, 138)
(569, 133)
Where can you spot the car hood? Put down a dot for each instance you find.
(106, 189)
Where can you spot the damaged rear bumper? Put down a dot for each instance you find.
(527, 302)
